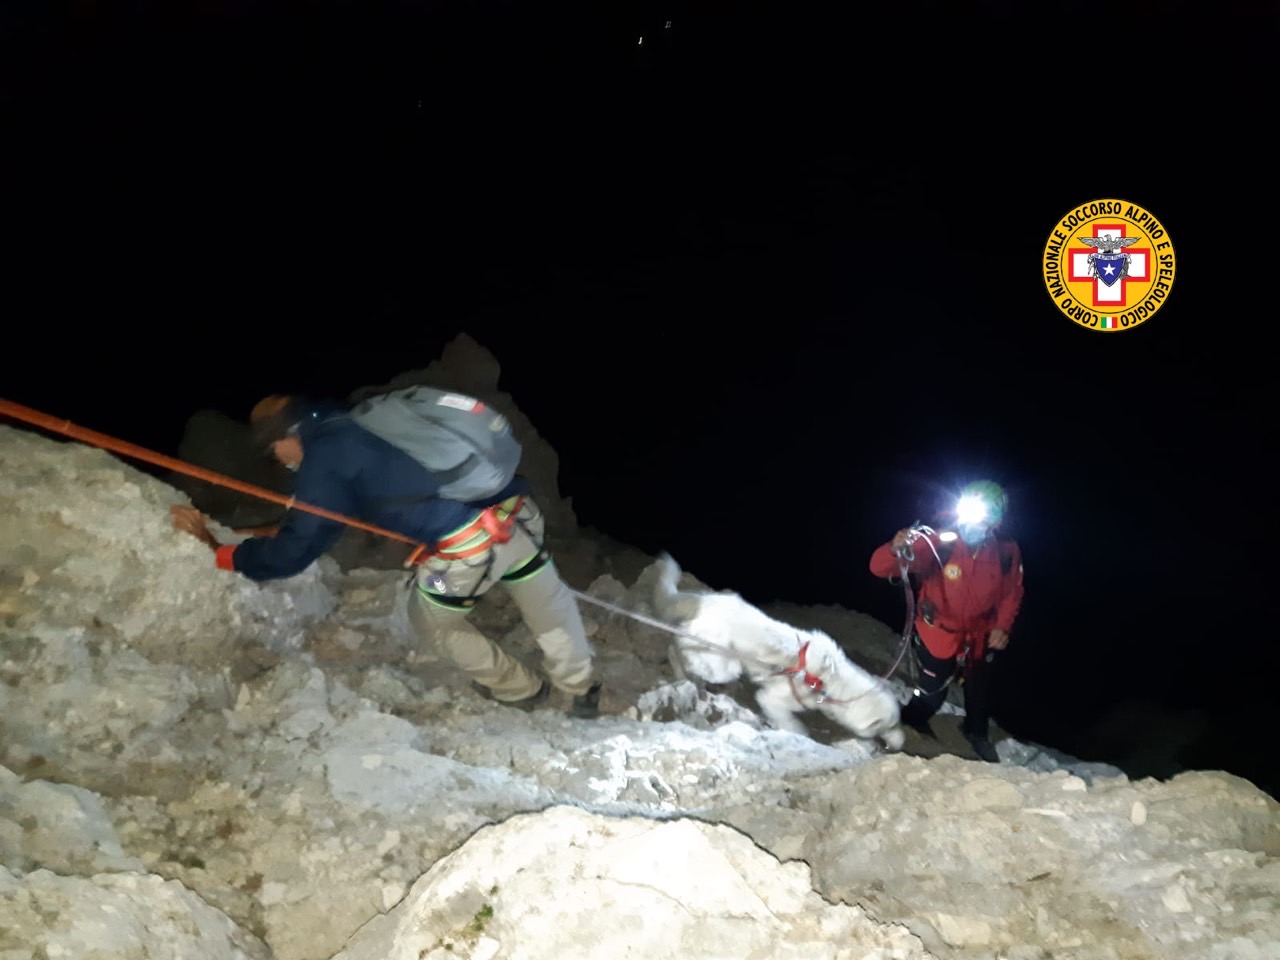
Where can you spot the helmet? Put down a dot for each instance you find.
(982, 502)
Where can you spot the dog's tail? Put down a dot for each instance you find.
(669, 602)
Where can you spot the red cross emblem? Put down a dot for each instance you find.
(1110, 261)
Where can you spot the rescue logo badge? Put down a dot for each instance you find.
(1109, 265)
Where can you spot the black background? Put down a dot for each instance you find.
(769, 282)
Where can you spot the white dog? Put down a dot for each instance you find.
(795, 670)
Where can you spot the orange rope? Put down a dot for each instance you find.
(67, 428)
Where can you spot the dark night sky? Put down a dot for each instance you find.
(769, 283)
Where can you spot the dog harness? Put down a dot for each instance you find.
(810, 680)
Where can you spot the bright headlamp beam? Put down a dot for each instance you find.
(971, 510)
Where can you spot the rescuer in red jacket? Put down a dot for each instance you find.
(970, 589)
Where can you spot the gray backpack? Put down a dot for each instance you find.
(469, 446)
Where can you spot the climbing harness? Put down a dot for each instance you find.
(956, 672)
(494, 524)
(497, 525)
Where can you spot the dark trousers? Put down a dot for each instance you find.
(931, 689)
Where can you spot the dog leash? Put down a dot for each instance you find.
(811, 681)
(905, 556)
(640, 617)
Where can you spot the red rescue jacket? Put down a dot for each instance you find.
(974, 591)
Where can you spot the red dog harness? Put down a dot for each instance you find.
(812, 681)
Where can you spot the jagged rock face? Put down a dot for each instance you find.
(213, 441)
(196, 766)
(535, 886)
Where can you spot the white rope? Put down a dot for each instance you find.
(715, 646)
(668, 628)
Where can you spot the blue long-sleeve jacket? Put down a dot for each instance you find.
(348, 470)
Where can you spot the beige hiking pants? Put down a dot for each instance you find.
(546, 605)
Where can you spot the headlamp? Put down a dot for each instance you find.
(971, 510)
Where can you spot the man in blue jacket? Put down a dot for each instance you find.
(344, 469)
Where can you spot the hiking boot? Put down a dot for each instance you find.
(983, 748)
(526, 704)
(586, 706)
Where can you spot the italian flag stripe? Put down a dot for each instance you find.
(1108, 323)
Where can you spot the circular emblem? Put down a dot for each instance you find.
(1109, 265)
(951, 571)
